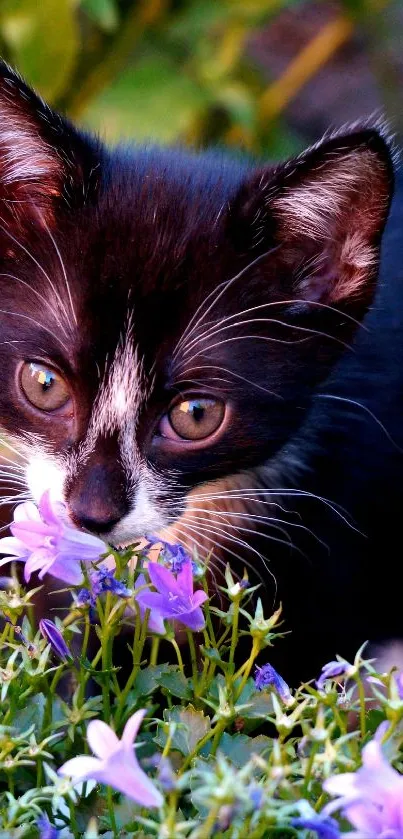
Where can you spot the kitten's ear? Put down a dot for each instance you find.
(43, 159)
(325, 212)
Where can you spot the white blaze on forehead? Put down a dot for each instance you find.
(120, 394)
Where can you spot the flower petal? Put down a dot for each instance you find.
(51, 511)
(123, 772)
(185, 579)
(193, 619)
(199, 597)
(9, 544)
(131, 728)
(102, 739)
(67, 570)
(26, 512)
(81, 768)
(162, 579)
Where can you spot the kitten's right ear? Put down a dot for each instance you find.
(44, 161)
(323, 214)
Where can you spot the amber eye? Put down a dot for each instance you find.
(196, 419)
(43, 387)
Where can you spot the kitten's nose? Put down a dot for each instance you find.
(97, 500)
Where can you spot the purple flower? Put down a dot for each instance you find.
(267, 676)
(371, 798)
(55, 638)
(332, 670)
(115, 762)
(155, 621)
(46, 828)
(47, 542)
(174, 598)
(104, 580)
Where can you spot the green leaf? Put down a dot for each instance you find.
(42, 38)
(239, 748)
(191, 725)
(176, 683)
(138, 102)
(31, 714)
(103, 12)
(147, 681)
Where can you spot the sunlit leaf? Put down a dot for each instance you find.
(103, 12)
(42, 38)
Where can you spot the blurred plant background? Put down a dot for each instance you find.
(264, 75)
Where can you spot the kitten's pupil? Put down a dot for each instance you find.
(44, 377)
(197, 410)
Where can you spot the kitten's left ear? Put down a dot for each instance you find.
(44, 161)
(324, 212)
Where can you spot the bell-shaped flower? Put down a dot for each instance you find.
(115, 763)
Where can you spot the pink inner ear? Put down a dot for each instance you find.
(339, 208)
(29, 167)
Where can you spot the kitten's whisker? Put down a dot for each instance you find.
(41, 298)
(41, 268)
(59, 256)
(367, 411)
(255, 517)
(4, 442)
(216, 293)
(236, 324)
(241, 559)
(232, 373)
(249, 337)
(216, 325)
(35, 321)
(292, 301)
(219, 531)
(292, 493)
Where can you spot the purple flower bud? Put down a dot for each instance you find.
(331, 671)
(166, 775)
(399, 683)
(55, 638)
(256, 795)
(174, 556)
(46, 828)
(267, 676)
(85, 598)
(325, 828)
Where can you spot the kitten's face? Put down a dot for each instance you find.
(165, 317)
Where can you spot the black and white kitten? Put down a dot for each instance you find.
(168, 323)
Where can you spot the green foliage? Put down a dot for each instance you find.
(167, 70)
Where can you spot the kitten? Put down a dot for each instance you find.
(168, 323)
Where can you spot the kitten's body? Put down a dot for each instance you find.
(151, 281)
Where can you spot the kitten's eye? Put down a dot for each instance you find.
(43, 387)
(195, 419)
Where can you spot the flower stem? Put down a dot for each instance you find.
(247, 667)
(234, 635)
(193, 660)
(178, 655)
(155, 645)
(361, 694)
(111, 811)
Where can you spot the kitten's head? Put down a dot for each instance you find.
(165, 317)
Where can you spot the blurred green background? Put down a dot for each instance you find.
(266, 75)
